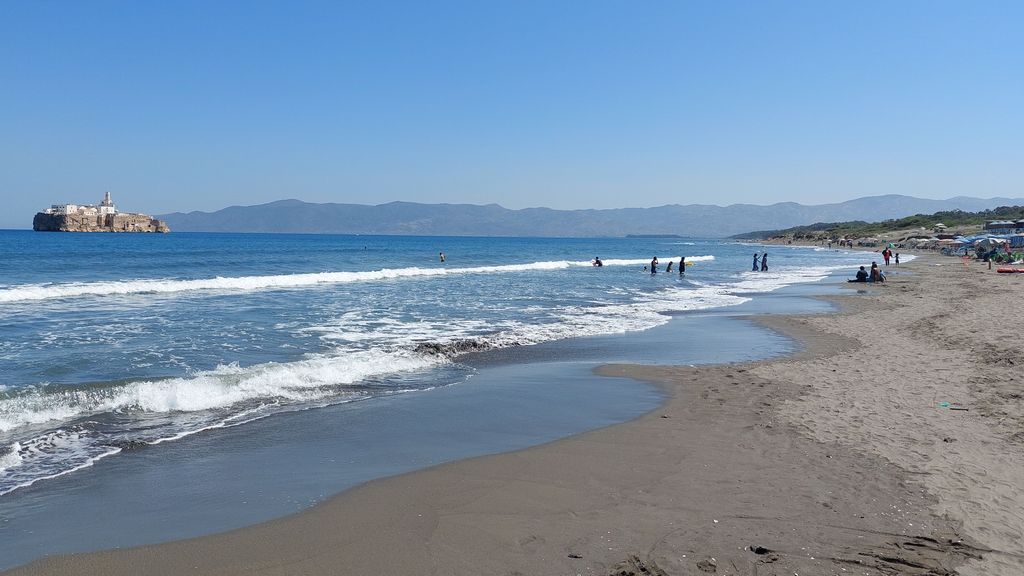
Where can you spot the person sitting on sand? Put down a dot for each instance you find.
(876, 273)
(862, 275)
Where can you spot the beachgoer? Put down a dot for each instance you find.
(764, 262)
(886, 255)
(442, 256)
(597, 261)
(645, 268)
(654, 265)
(682, 265)
(897, 258)
(668, 269)
(862, 275)
(876, 273)
(757, 263)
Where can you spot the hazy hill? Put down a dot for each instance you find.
(493, 220)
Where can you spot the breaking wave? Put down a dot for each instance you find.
(29, 292)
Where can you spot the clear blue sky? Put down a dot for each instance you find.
(200, 105)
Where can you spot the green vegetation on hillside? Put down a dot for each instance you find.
(861, 229)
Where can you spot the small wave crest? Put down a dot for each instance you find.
(63, 429)
(771, 280)
(223, 387)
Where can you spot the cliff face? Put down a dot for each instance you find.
(121, 222)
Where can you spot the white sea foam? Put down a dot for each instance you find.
(223, 387)
(12, 458)
(48, 456)
(773, 279)
(29, 292)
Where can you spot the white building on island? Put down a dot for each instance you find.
(102, 217)
(104, 207)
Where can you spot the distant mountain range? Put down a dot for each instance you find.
(701, 220)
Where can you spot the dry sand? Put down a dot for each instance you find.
(839, 460)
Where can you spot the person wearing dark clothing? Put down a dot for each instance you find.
(654, 265)
(682, 265)
(764, 262)
(597, 261)
(668, 269)
(862, 275)
(897, 259)
(757, 263)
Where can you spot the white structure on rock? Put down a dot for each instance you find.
(102, 217)
(104, 207)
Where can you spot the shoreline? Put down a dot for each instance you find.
(735, 471)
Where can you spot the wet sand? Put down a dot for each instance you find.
(842, 459)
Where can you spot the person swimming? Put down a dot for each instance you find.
(597, 261)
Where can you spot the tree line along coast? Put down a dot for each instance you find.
(992, 235)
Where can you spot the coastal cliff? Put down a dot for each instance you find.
(102, 217)
(121, 222)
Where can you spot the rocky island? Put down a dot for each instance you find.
(103, 217)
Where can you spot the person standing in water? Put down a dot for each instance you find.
(757, 263)
(654, 265)
(682, 265)
(442, 256)
(897, 258)
(764, 262)
(668, 269)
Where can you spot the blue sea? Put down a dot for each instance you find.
(120, 344)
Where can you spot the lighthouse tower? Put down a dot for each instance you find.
(107, 206)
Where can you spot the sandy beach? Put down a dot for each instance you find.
(892, 444)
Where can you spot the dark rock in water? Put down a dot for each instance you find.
(452, 349)
(759, 549)
(127, 445)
